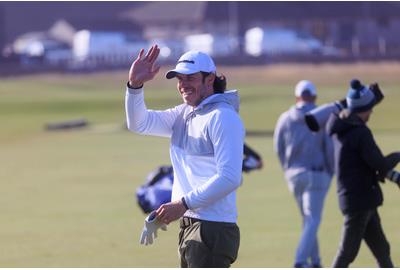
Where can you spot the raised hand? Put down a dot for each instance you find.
(143, 68)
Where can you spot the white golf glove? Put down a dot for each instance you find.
(151, 225)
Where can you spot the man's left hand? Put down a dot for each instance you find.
(151, 225)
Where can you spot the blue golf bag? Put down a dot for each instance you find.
(157, 189)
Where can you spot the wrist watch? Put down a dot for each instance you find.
(131, 87)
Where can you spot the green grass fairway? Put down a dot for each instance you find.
(68, 197)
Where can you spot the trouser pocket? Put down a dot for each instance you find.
(222, 239)
(209, 244)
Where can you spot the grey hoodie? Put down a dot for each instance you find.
(206, 150)
(298, 148)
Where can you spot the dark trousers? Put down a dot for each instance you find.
(358, 226)
(207, 244)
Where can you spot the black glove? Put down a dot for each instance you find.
(343, 103)
(374, 87)
(311, 122)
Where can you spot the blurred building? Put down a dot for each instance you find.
(20, 17)
(358, 27)
(344, 30)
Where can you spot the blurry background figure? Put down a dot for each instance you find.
(158, 186)
(360, 166)
(307, 161)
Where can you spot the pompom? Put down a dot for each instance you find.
(356, 85)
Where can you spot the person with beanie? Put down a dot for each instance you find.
(307, 160)
(359, 167)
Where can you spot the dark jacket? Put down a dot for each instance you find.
(359, 164)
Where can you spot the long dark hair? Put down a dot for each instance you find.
(219, 82)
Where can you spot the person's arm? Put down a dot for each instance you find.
(279, 140)
(143, 121)
(139, 118)
(328, 151)
(392, 160)
(227, 134)
(374, 157)
(317, 118)
(371, 153)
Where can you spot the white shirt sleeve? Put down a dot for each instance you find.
(227, 135)
(149, 122)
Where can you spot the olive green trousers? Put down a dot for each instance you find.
(207, 244)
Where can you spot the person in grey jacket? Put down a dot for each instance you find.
(307, 161)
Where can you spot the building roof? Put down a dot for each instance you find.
(62, 31)
(168, 11)
(195, 11)
(320, 9)
(18, 17)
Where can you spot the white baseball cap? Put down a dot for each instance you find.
(303, 86)
(192, 62)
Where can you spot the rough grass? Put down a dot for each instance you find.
(68, 197)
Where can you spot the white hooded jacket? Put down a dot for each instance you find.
(206, 150)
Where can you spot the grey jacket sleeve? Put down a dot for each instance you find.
(279, 139)
(329, 154)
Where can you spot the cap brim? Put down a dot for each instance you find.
(172, 73)
(306, 93)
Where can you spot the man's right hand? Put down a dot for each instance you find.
(143, 68)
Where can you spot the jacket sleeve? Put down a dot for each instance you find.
(371, 153)
(149, 122)
(279, 139)
(391, 161)
(328, 151)
(227, 135)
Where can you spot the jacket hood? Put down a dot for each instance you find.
(230, 97)
(298, 111)
(339, 124)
